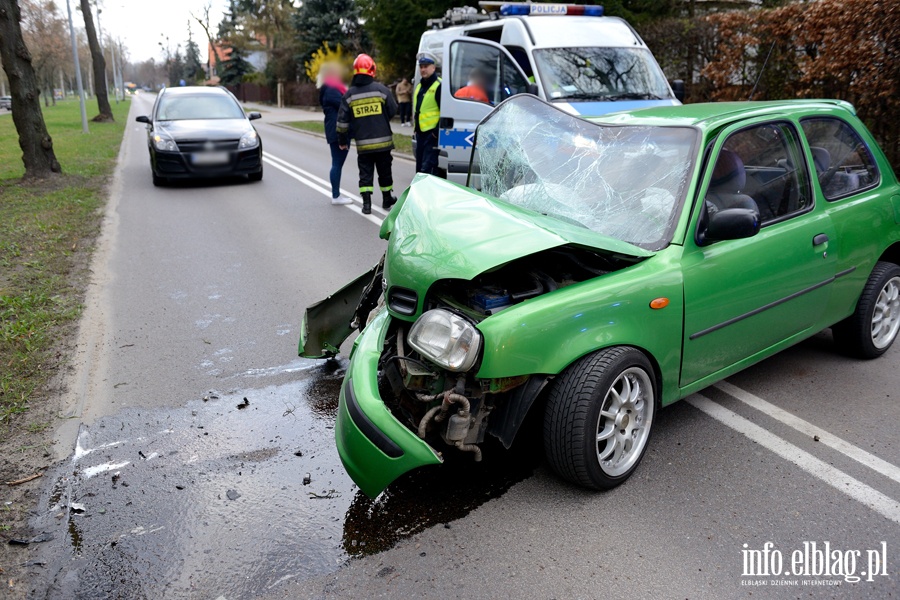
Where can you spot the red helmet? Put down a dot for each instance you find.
(364, 65)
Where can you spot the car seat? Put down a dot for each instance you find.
(728, 179)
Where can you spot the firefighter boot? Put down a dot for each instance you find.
(367, 203)
(388, 200)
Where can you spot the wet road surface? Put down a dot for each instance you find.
(233, 494)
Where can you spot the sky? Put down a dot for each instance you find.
(143, 24)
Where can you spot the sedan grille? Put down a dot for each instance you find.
(207, 146)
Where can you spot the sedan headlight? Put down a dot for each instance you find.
(164, 143)
(249, 140)
(446, 339)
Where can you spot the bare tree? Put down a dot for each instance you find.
(44, 32)
(99, 64)
(213, 49)
(37, 145)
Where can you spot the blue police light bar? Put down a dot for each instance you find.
(528, 9)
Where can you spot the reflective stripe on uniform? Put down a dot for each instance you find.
(429, 111)
(366, 189)
(386, 188)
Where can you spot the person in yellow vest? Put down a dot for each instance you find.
(427, 113)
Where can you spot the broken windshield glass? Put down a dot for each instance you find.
(627, 182)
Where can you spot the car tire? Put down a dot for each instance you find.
(599, 416)
(873, 326)
(256, 176)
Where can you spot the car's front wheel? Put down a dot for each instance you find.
(873, 327)
(599, 416)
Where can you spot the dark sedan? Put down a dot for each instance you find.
(201, 132)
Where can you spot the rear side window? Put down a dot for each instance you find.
(843, 164)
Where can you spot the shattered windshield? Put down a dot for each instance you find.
(626, 182)
(591, 74)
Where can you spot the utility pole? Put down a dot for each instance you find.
(84, 122)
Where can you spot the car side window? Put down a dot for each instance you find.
(844, 165)
(760, 168)
(481, 73)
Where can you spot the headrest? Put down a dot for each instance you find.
(821, 158)
(728, 175)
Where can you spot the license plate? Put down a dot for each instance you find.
(210, 158)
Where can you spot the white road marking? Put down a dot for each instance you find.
(880, 503)
(318, 184)
(829, 439)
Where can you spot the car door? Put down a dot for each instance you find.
(472, 64)
(744, 296)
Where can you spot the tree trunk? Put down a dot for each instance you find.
(37, 146)
(99, 64)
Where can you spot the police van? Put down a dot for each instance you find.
(570, 55)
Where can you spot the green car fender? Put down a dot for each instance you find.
(546, 334)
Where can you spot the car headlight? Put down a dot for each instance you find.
(446, 339)
(249, 140)
(164, 143)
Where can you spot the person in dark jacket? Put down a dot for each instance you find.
(331, 92)
(365, 115)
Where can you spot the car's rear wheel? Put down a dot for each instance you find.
(873, 327)
(256, 176)
(599, 416)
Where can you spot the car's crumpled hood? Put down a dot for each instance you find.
(442, 230)
(213, 129)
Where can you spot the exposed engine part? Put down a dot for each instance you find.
(439, 413)
(470, 448)
(523, 279)
(458, 427)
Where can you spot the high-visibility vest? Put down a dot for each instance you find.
(429, 112)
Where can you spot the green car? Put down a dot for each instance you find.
(605, 269)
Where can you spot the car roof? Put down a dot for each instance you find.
(712, 115)
(194, 90)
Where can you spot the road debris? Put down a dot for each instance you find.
(25, 479)
(307, 479)
(232, 494)
(243, 404)
(325, 495)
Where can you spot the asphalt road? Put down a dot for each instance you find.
(199, 293)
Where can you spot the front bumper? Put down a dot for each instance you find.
(179, 165)
(374, 446)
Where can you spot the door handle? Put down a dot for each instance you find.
(446, 123)
(820, 239)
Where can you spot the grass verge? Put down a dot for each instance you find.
(47, 230)
(402, 143)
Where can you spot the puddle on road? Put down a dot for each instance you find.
(211, 499)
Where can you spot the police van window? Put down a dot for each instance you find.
(757, 168)
(598, 73)
(481, 73)
(521, 58)
(492, 35)
(843, 163)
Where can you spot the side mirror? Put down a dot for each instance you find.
(143, 119)
(254, 115)
(533, 89)
(730, 224)
(678, 89)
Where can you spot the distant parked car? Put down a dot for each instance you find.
(6, 102)
(201, 132)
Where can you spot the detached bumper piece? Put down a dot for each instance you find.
(374, 446)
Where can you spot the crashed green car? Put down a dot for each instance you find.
(604, 269)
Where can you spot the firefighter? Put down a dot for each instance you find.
(365, 115)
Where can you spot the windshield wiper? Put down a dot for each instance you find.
(634, 96)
